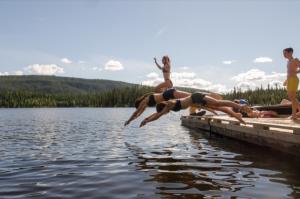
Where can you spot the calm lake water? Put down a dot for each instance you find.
(87, 153)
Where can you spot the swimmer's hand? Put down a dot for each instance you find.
(155, 59)
(126, 123)
(143, 123)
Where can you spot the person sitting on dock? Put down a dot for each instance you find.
(166, 69)
(292, 82)
(253, 113)
(196, 99)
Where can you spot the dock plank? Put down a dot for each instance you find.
(279, 133)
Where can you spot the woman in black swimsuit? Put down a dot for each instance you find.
(196, 99)
(166, 69)
(151, 99)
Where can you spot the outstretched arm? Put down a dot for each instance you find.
(138, 112)
(154, 116)
(155, 61)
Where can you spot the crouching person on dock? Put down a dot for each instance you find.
(253, 113)
(196, 99)
(166, 69)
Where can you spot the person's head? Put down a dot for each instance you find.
(244, 101)
(288, 53)
(140, 99)
(165, 59)
(241, 101)
(160, 106)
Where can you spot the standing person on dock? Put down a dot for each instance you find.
(292, 81)
(166, 69)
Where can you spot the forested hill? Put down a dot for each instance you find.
(52, 91)
(58, 85)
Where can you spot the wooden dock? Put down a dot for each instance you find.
(277, 133)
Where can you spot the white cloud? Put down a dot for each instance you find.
(97, 68)
(45, 69)
(256, 78)
(184, 68)
(153, 75)
(186, 79)
(262, 60)
(228, 62)
(253, 74)
(183, 75)
(66, 61)
(81, 62)
(113, 65)
(4, 74)
(257, 75)
(276, 83)
(19, 72)
(246, 85)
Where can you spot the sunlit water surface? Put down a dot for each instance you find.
(87, 153)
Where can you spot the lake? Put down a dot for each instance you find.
(87, 153)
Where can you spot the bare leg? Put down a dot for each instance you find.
(162, 86)
(231, 113)
(295, 103)
(218, 103)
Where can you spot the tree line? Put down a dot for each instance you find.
(259, 96)
(121, 97)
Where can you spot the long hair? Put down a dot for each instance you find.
(140, 99)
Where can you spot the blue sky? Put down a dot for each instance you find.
(212, 44)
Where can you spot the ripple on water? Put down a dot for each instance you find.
(79, 153)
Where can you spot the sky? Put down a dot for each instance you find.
(214, 45)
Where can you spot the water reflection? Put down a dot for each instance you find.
(75, 153)
(217, 167)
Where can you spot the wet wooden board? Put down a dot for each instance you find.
(279, 133)
(265, 123)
